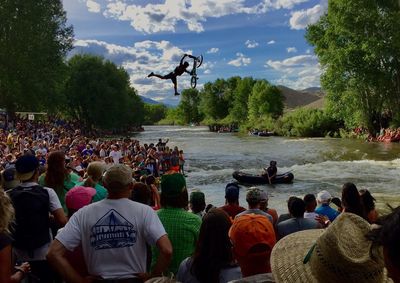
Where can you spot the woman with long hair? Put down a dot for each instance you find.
(351, 200)
(92, 179)
(369, 204)
(212, 261)
(58, 177)
(6, 266)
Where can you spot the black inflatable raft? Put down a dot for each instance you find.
(246, 178)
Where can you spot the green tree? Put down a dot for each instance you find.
(34, 39)
(98, 94)
(213, 103)
(358, 46)
(154, 113)
(189, 106)
(239, 109)
(265, 100)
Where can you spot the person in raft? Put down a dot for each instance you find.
(270, 172)
(178, 71)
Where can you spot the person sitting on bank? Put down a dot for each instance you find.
(270, 172)
(324, 198)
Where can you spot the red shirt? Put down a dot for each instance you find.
(233, 209)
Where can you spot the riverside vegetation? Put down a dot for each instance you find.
(357, 44)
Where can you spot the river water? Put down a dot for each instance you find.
(317, 163)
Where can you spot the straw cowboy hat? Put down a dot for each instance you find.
(340, 253)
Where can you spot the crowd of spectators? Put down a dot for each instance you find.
(78, 209)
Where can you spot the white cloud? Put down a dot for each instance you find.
(301, 19)
(291, 50)
(251, 43)
(164, 16)
(241, 60)
(298, 72)
(93, 6)
(212, 50)
(271, 42)
(141, 59)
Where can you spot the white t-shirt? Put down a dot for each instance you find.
(116, 156)
(113, 234)
(39, 253)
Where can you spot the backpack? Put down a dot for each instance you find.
(31, 228)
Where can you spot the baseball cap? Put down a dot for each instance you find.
(118, 173)
(172, 185)
(232, 190)
(78, 197)
(249, 230)
(26, 166)
(324, 196)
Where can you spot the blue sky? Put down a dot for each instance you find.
(259, 38)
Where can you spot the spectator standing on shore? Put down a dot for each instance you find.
(368, 202)
(387, 235)
(182, 226)
(252, 237)
(9, 273)
(324, 198)
(33, 204)
(297, 222)
(212, 260)
(340, 253)
(197, 203)
(108, 253)
(94, 174)
(264, 207)
(311, 203)
(254, 197)
(232, 206)
(58, 177)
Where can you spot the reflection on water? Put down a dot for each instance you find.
(316, 163)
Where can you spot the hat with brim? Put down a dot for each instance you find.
(340, 253)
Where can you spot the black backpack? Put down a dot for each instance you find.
(31, 228)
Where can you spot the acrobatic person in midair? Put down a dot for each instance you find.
(179, 70)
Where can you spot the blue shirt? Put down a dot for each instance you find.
(328, 211)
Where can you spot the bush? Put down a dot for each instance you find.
(304, 122)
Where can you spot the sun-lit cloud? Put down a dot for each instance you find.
(301, 19)
(291, 50)
(251, 43)
(271, 42)
(165, 15)
(298, 72)
(241, 60)
(212, 50)
(93, 6)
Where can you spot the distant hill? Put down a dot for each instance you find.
(149, 100)
(295, 98)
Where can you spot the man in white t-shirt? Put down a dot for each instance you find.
(113, 234)
(116, 154)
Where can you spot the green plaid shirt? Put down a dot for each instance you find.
(183, 230)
